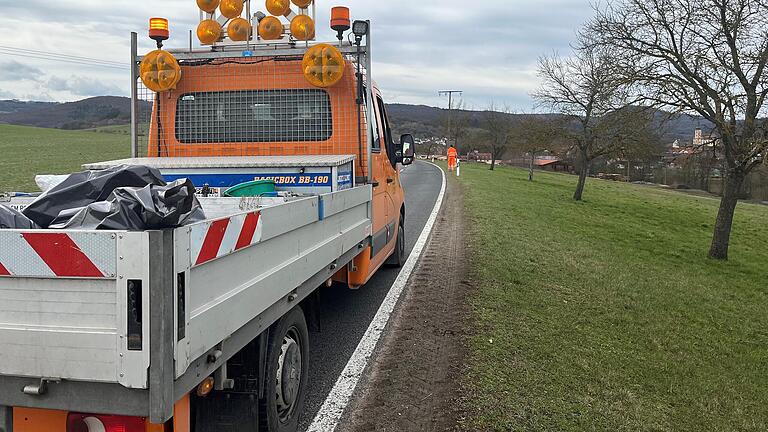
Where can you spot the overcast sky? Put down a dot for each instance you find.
(487, 48)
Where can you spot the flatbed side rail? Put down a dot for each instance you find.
(232, 269)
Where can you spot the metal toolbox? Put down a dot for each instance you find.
(311, 175)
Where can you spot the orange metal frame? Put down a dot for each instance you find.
(283, 75)
(286, 75)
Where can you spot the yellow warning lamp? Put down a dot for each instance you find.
(302, 3)
(206, 387)
(160, 71)
(158, 30)
(323, 65)
(231, 8)
(279, 7)
(208, 6)
(239, 30)
(270, 28)
(303, 28)
(209, 31)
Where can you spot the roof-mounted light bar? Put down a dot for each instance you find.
(295, 20)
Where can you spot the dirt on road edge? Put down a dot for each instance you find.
(414, 380)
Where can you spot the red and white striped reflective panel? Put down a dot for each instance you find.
(50, 254)
(222, 237)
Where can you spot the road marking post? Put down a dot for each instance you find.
(327, 418)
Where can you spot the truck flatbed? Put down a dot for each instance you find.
(188, 298)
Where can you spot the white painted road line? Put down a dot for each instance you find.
(327, 419)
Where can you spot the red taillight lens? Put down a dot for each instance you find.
(103, 423)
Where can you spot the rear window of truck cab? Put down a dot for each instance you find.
(254, 116)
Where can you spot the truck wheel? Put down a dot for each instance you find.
(286, 375)
(398, 256)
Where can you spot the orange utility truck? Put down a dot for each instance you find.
(203, 327)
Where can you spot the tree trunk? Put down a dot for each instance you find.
(530, 168)
(722, 236)
(493, 161)
(582, 179)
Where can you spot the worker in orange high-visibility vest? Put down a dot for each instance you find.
(453, 157)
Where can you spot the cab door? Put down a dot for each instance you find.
(383, 176)
(391, 168)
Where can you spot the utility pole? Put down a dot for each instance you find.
(450, 94)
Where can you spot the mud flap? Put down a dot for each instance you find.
(227, 412)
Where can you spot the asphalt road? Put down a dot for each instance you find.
(346, 314)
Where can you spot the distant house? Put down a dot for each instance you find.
(553, 164)
(479, 157)
(699, 140)
(547, 163)
(678, 154)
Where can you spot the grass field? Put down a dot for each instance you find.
(27, 151)
(607, 315)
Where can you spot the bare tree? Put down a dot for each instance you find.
(500, 127)
(586, 89)
(705, 57)
(537, 134)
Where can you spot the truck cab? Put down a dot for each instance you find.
(264, 107)
(203, 327)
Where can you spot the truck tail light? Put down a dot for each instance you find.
(104, 423)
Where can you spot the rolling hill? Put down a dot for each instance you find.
(420, 120)
(84, 114)
(425, 121)
(15, 106)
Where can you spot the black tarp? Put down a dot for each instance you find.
(126, 197)
(12, 219)
(87, 187)
(137, 208)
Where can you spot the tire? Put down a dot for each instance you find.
(284, 392)
(397, 259)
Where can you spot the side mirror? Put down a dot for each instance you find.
(407, 149)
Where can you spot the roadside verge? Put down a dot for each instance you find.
(413, 382)
(330, 414)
